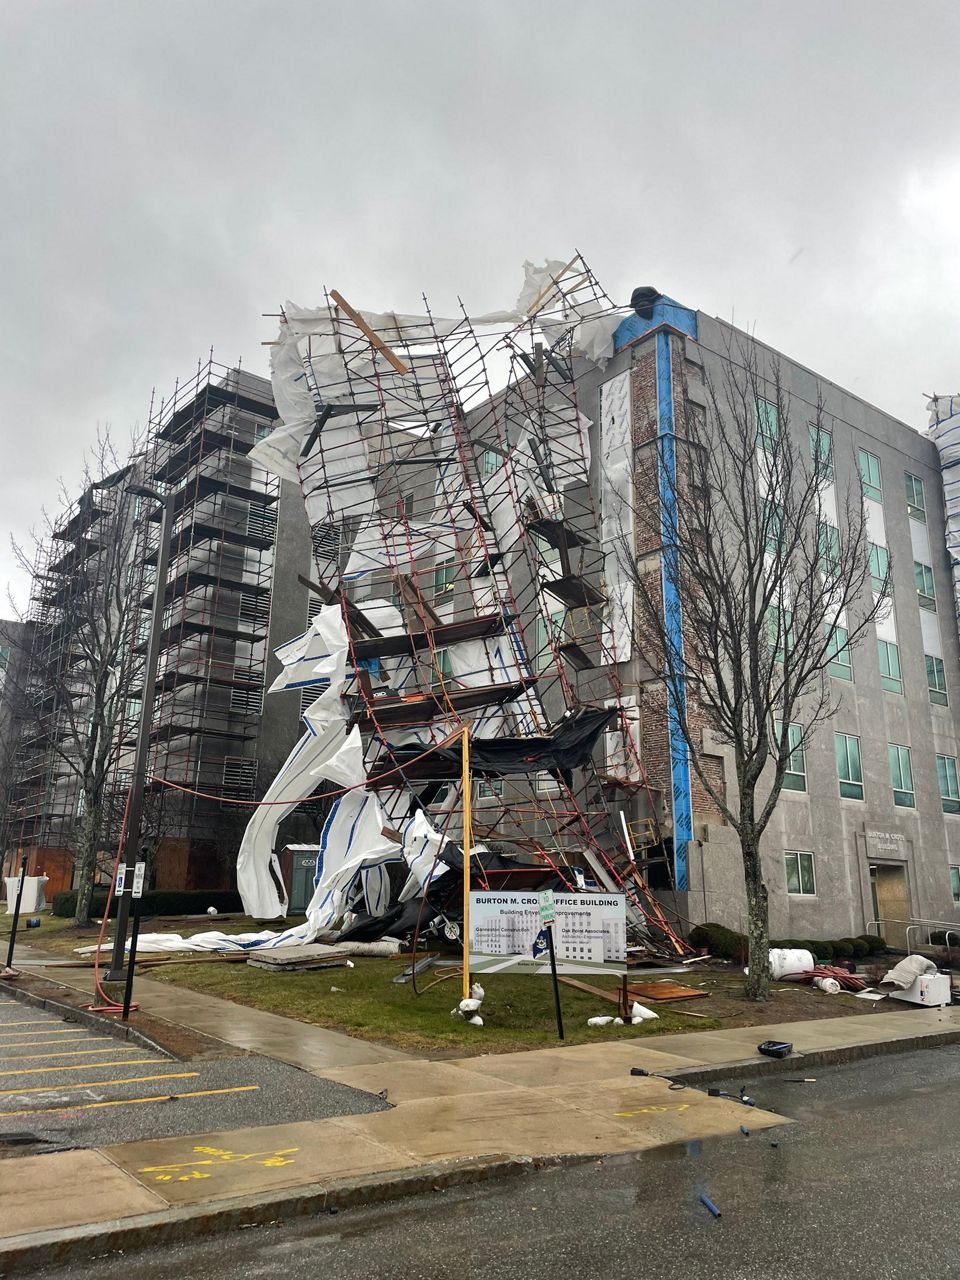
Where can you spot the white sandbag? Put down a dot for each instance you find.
(830, 985)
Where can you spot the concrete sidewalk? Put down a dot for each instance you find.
(571, 1103)
(301, 1045)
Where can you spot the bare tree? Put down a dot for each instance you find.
(76, 681)
(752, 582)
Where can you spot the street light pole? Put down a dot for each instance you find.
(131, 841)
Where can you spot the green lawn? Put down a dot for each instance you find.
(517, 1011)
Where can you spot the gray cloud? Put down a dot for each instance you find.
(170, 171)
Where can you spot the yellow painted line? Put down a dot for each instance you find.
(41, 1022)
(32, 1044)
(73, 1053)
(97, 1084)
(130, 1102)
(48, 1031)
(80, 1066)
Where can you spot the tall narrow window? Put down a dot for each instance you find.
(936, 680)
(768, 425)
(949, 788)
(878, 560)
(780, 631)
(955, 883)
(442, 670)
(772, 525)
(901, 777)
(891, 677)
(444, 579)
(490, 462)
(839, 664)
(923, 577)
(549, 632)
(849, 769)
(829, 542)
(870, 474)
(916, 504)
(799, 868)
(795, 776)
(821, 450)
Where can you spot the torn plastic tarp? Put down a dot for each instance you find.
(569, 745)
(326, 750)
(352, 848)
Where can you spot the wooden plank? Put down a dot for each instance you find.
(365, 329)
(666, 990)
(612, 996)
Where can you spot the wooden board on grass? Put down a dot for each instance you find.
(665, 990)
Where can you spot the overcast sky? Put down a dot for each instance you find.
(170, 170)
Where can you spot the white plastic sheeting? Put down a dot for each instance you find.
(352, 848)
(325, 750)
(615, 454)
(945, 433)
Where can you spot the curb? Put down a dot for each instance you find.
(174, 1226)
(817, 1058)
(86, 1018)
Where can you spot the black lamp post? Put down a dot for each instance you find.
(131, 841)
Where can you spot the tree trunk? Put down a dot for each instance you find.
(757, 986)
(86, 863)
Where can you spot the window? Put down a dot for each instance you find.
(923, 577)
(490, 462)
(768, 425)
(81, 804)
(949, 787)
(821, 451)
(488, 788)
(133, 709)
(936, 680)
(795, 777)
(442, 670)
(870, 474)
(772, 525)
(916, 507)
(901, 777)
(799, 872)
(955, 883)
(444, 579)
(548, 633)
(839, 662)
(549, 554)
(546, 785)
(878, 560)
(891, 678)
(829, 547)
(4, 656)
(849, 770)
(261, 431)
(780, 631)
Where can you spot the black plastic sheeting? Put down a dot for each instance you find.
(569, 745)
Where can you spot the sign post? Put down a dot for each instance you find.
(16, 913)
(136, 893)
(548, 914)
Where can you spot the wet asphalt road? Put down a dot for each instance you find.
(866, 1183)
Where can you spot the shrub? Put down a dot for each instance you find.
(843, 949)
(874, 942)
(861, 948)
(156, 902)
(720, 941)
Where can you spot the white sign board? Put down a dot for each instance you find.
(548, 906)
(589, 933)
(139, 875)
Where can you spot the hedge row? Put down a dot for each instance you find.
(156, 902)
(730, 945)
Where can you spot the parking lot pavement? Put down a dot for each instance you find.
(63, 1085)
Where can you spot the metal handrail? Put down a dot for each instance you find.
(949, 927)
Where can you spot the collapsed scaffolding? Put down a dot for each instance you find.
(465, 586)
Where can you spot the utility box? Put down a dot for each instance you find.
(928, 989)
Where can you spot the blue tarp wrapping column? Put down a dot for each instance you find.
(672, 610)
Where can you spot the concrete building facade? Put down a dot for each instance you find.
(868, 826)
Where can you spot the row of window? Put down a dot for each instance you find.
(801, 875)
(850, 770)
(840, 665)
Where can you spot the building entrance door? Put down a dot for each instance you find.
(891, 900)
